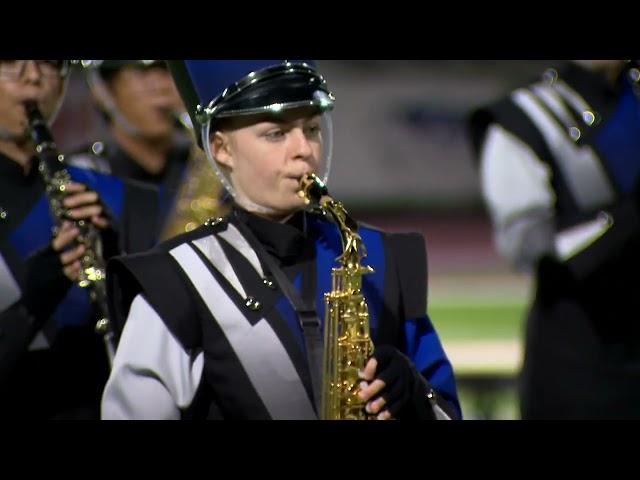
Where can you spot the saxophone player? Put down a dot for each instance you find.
(144, 140)
(53, 364)
(222, 322)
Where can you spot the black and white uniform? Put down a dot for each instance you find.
(209, 333)
(16, 325)
(559, 163)
(52, 363)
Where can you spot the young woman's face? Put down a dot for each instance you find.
(23, 80)
(267, 158)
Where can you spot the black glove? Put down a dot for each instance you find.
(17, 331)
(46, 284)
(405, 390)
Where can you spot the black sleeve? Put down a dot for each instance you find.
(430, 405)
(17, 330)
(45, 285)
(616, 245)
(411, 263)
(157, 276)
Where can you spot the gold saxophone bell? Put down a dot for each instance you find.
(197, 197)
(347, 340)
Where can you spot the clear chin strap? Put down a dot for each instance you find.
(242, 200)
(101, 92)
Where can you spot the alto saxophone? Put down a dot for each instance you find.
(196, 200)
(56, 179)
(347, 340)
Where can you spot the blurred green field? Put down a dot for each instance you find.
(480, 321)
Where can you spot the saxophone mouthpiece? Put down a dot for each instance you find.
(312, 189)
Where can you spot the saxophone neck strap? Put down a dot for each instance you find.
(306, 311)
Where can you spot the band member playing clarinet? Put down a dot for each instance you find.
(53, 363)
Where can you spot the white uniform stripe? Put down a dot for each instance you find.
(9, 289)
(571, 97)
(575, 239)
(440, 414)
(550, 97)
(257, 347)
(580, 166)
(211, 248)
(235, 239)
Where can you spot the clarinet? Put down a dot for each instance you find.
(55, 178)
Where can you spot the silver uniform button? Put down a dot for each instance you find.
(212, 222)
(97, 148)
(574, 133)
(588, 117)
(550, 75)
(431, 396)
(252, 303)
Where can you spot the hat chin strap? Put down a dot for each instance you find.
(63, 93)
(126, 125)
(238, 197)
(101, 92)
(253, 207)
